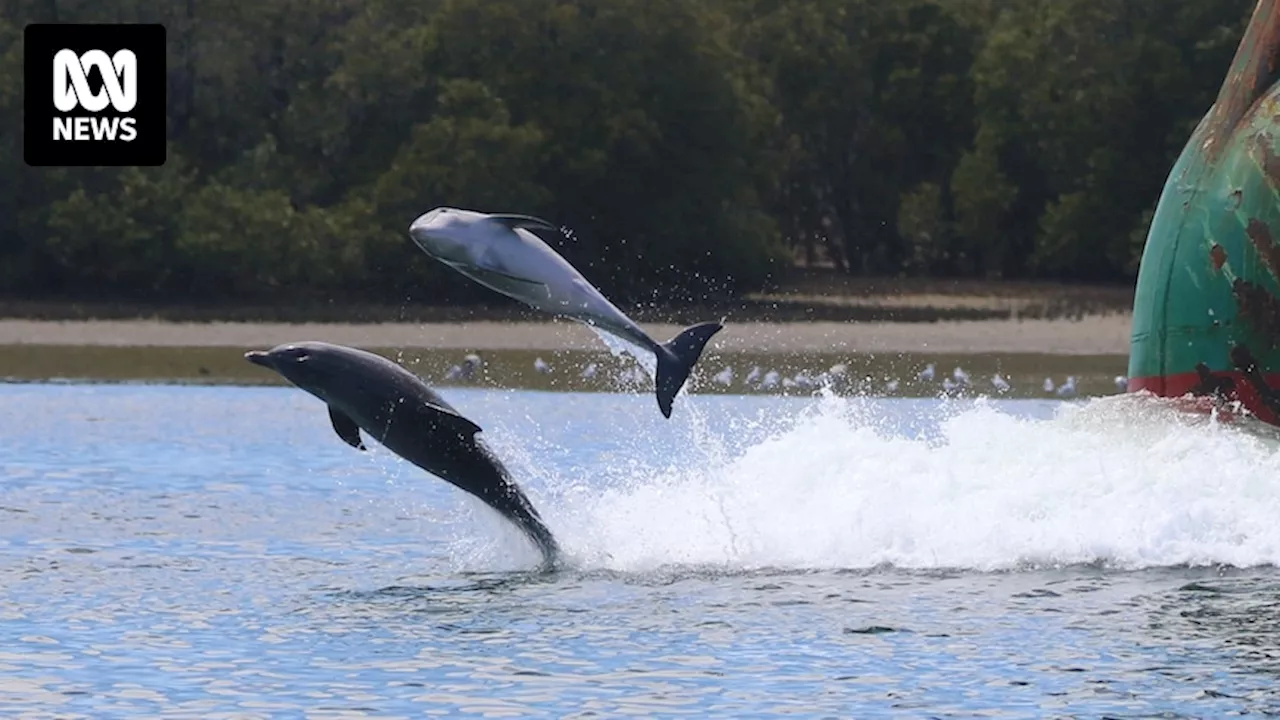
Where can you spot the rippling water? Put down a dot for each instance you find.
(209, 552)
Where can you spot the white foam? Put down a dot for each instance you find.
(1124, 481)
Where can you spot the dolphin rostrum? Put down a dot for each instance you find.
(365, 391)
(500, 252)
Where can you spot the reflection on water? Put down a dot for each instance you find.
(216, 551)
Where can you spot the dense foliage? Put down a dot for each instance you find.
(694, 146)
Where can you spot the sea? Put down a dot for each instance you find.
(188, 551)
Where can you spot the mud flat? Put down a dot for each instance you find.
(876, 358)
(1092, 335)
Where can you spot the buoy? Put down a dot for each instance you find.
(1206, 314)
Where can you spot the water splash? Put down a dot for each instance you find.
(620, 348)
(1123, 481)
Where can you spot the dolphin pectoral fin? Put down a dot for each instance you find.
(490, 270)
(346, 428)
(527, 222)
(509, 284)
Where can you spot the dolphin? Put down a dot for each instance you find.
(365, 391)
(501, 252)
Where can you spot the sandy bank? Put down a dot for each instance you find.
(1094, 335)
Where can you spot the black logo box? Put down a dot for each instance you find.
(43, 41)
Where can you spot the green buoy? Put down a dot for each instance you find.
(1206, 315)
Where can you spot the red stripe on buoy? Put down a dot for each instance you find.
(1180, 386)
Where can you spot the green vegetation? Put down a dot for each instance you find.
(694, 146)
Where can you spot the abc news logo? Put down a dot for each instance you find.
(95, 95)
(71, 90)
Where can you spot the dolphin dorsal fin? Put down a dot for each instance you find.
(528, 222)
(447, 418)
(346, 428)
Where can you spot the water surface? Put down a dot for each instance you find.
(217, 551)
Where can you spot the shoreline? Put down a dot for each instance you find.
(808, 295)
(1088, 335)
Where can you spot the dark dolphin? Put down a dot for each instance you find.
(365, 391)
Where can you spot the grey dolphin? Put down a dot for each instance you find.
(365, 391)
(499, 252)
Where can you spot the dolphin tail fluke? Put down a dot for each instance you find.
(676, 360)
(503, 493)
(517, 508)
(521, 513)
(541, 536)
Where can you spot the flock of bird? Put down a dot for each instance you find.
(836, 377)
